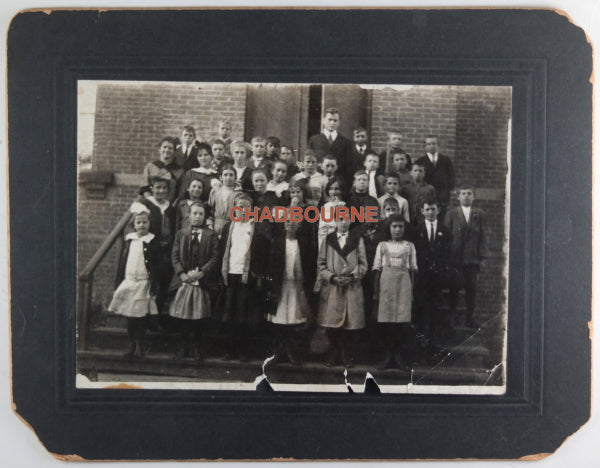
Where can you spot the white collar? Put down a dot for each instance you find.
(432, 156)
(333, 134)
(163, 206)
(133, 236)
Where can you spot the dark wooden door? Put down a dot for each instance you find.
(278, 110)
(354, 104)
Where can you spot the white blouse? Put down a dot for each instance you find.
(135, 268)
(399, 254)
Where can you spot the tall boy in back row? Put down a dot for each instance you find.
(467, 252)
(330, 141)
(439, 172)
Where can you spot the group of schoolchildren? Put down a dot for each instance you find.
(186, 261)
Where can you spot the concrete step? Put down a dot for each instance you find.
(462, 356)
(214, 369)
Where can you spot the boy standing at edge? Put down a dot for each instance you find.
(468, 251)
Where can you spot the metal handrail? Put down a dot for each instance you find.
(86, 279)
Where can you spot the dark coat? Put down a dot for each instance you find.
(469, 241)
(156, 221)
(265, 164)
(246, 180)
(307, 243)
(353, 163)
(365, 200)
(151, 259)
(342, 149)
(432, 257)
(441, 176)
(187, 162)
(206, 261)
(361, 157)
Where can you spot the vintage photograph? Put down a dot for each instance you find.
(311, 237)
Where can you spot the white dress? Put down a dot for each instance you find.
(132, 297)
(394, 260)
(293, 305)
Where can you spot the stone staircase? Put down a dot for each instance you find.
(463, 357)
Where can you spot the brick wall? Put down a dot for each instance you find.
(472, 126)
(482, 120)
(130, 119)
(415, 112)
(129, 122)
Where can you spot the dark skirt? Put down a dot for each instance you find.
(243, 303)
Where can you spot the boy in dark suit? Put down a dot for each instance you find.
(361, 143)
(259, 159)
(432, 243)
(329, 141)
(469, 249)
(187, 151)
(360, 148)
(439, 172)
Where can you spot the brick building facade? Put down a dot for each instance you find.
(472, 124)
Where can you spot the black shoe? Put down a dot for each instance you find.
(348, 358)
(292, 357)
(140, 350)
(332, 358)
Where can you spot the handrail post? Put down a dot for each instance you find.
(86, 280)
(84, 309)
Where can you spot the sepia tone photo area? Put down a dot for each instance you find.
(172, 294)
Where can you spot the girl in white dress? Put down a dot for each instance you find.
(290, 275)
(136, 279)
